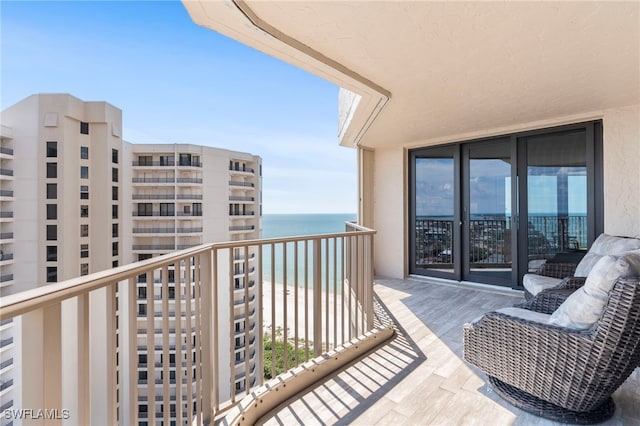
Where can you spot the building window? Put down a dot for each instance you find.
(84, 192)
(114, 174)
(114, 211)
(142, 292)
(52, 170)
(167, 209)
(52, 149)
(52, 232)
(52, 253)
(142, 309)
(142, 359)
(197, 209)
(52, 211)
(84, 269)
(84, 230)
(114, 248)
(145, 160)
(84, 152)
(114, 264)
(52, 274)
(52, 191)
(84, 128)
(145, 209)
(84, 210)
(114, 156)
(114, 193)
(166, 160)
(84, 250)
(84, 172)
(185, 159)
(114, 230)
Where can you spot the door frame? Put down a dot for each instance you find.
(595, 197)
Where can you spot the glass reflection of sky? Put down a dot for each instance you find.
(490, 188)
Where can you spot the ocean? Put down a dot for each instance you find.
(289, 225)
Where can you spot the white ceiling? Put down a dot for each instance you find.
(456, 67)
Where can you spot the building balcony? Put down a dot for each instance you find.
(153, 196)
(6, 174)
(6, 237)
(241, 170)
(239, 229)
(188, 181)
(169, 163)
(242, 198)
(152, 180)
(241, 214)
(322, 327)
(238, 184)
(6, 195)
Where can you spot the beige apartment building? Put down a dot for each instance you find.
(78, 199)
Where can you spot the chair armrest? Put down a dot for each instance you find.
(545, 302)
(570, 283)
(557, 270)
(548, 300)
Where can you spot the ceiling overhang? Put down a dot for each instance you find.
(425, 71)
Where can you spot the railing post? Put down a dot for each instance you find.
(317, 298)
(206, 337)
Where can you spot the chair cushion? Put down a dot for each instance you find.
(602, 246)
(585, 306)
(526, 314)
(535, 283)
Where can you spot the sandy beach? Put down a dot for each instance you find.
(302, 315)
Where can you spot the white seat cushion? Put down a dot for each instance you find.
(585, 306)
(602, 246)
(526, 314)
(535, 283)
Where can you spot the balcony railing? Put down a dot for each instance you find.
(489, 239)
(6, 150)
(239, 183)
(6, 215)
(317, 295)
(153, 196)
(153, 180)
(242, 228)
(240, 198)
(6, 193)
(239, 168)
(6, 235)
(6, 172)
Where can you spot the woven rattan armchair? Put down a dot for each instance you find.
(559, 373)
(557, 270)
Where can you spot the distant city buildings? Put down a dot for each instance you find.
(76, 199)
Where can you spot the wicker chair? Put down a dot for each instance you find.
(558, 373)
(603, 245)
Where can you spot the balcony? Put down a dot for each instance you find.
(241, 184)
(169, 163)
(333, 274)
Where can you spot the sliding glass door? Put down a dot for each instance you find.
(434, 216)
(492, 210)
(487, 169)
(554, 218)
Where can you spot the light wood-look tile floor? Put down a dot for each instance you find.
(420, 378)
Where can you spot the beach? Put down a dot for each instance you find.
(302, 314)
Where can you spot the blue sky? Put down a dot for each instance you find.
(177, 82)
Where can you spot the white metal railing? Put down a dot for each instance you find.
(98, 348)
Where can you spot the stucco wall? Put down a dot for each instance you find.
(621, 164)
(389, 212)
(622, 171)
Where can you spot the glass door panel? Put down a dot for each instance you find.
(434, 212)
(487, 213)
(556, 213)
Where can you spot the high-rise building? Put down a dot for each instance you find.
(9, 350)
(77, 199)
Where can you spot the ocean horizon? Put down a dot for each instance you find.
(293, 224)
(298, 224)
